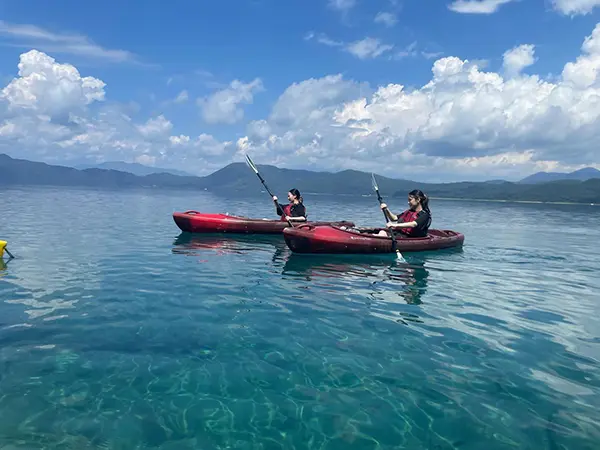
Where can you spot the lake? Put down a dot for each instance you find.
(119, 332)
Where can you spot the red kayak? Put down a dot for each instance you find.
(308, 238)
(197, 222)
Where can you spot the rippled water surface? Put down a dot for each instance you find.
(119, 332)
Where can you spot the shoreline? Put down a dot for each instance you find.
(535, 202)
(7, 187)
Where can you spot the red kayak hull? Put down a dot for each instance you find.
(338, 240)
(197, 222)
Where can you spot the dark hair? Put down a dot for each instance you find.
(422, 198)
(296, 193)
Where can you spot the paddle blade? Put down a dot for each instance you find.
(251, 164)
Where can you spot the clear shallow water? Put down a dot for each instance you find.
(117, 332)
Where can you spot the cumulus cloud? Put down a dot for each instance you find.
(463, 119)
(565, 7)
(517, 58)
(46, 87)
(46, 113)
(575, 7)
(477, 6)
(159, 126)
(224, 106)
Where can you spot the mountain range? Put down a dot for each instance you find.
(134, 168)
(584, 174)
(237, 177)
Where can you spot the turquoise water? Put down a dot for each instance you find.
(118, 333)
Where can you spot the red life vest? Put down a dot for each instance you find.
(287, 210)
(407, 216)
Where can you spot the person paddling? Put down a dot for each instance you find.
(415, 221)
(295, 211)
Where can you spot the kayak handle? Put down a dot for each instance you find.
(191, 211)
(306, 225)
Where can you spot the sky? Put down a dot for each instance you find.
(440, 90)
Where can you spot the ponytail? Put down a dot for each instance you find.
(425, 204)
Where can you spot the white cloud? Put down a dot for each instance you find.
(205, 142)
(463, 119)
(322, 38)
(342, 5)
(224, 106)
(75, 44)
(477, 6)
(367, 48)
(409, 51)
(386, 18)
(517, 58)
(182, 97)
(46, 113)
(159, 126)
(575, 7)
(46, 87)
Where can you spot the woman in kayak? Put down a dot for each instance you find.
(295, 211)
(415, 221)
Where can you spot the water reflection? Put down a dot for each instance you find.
(384, 284)
(385, 276)
(196, 244)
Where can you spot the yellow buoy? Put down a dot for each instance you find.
(3, 248)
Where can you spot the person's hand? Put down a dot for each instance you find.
(390, 225)
(274, 198)
(288, 218)
(383, 206)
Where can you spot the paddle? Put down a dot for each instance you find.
(385, 216)
(253, 167)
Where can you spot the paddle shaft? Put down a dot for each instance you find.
(385, 216)
(255, 169)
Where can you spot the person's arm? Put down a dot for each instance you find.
(390, 215)
(402, 225)
(278, 208)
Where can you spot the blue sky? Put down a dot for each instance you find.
(149, 53)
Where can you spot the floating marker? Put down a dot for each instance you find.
(3, 249)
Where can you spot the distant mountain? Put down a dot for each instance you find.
(584, 174)
(134, 168)
(238, 178)
(496, 181)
